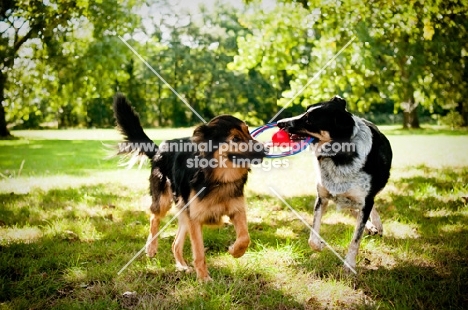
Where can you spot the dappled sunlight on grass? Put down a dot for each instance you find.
(75, 275)
(376, 255)
(399, 230)
(338, 295)
(453, 228)
(23, 185)
(333, 217)
(65, 235)
(279, 268)
(285, 233)
(438, 213)
(17, 234)
(98, 134)
(66, 229)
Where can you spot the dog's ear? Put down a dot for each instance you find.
(202, 133)
(344, 121)
(338, 102)
(343, 118)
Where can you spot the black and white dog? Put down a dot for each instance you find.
(353, 159)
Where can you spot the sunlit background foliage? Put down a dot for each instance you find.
(62, 61)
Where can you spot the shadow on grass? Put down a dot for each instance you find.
(248, 290)
(62, 269)
(430, 201)
(430, 267)
(38, 206)
(409, 285)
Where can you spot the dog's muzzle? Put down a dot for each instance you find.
(284, 124)
(287, 123)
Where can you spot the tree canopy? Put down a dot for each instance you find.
(411, 53)
(62, 61)
(43, 54)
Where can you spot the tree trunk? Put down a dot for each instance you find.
(411, 119)
(4, 133)
(410, 114)
(462, 108)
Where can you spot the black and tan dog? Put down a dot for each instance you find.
(353, 161)
(206, 172)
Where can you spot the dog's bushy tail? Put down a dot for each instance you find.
(128, 123)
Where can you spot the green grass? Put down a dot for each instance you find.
(70, 220)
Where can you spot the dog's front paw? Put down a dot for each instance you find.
(349, 269)
(350, 263)
(151, 250)
(237, 251)
(151, 247)
(316, 244)
(206, 279)
(183, 268)
(239, 247)
(202, 273)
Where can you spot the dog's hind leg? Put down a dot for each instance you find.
(320, 208)
(239, 220)
(152, 242)
(178, 244)
(374, 225)
(362, 217)
(161, 203)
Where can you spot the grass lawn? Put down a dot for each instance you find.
(71, 219)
